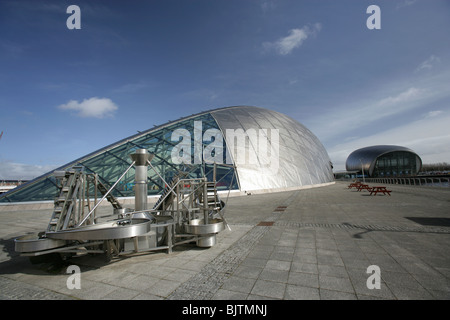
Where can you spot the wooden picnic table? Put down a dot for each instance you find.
(378, 189)
(364, 186)
(354, 184)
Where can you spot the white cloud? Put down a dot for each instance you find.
(295, 39)
(26, 113)
(361, 114)
(432, 114)
(202, 94)
(20, 171)
(428, 137)
(91, 108)
(12, 50)
(406, 96)
(406, 3)
(132, 87)
(267, 5)
(429, 63)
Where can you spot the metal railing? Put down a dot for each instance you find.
(413, 181)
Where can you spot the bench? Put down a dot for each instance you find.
(364, 186)
(376, 190)
(354, 184)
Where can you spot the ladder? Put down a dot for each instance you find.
(111, 199)
(65, 202)
(72, 185)
(165, 200)
(214, 203)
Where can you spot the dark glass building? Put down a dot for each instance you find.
(384, 161)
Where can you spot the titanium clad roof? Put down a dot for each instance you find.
(302, 159)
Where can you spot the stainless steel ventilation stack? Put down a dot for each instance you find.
(140, 157)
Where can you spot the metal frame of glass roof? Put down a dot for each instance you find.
(303, 161)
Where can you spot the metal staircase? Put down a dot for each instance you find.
(111, 199)
(69, 205)
(66, 201)
(213, 198)
(166, 199)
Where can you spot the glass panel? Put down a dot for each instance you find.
(110, 164)
(398, 163)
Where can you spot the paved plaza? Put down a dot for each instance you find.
(312, 244)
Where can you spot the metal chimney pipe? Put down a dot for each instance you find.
(140, 158)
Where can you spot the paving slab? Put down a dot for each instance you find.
(318, 247)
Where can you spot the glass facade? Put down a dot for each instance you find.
(110, 162)
(395, 164)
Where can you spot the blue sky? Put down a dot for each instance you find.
(134, 64)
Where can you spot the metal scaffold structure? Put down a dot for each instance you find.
(189, 210)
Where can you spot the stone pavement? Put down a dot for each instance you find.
(306, 244)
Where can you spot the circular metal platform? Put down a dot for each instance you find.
(116, 229)
(36, 242)
(198, 227)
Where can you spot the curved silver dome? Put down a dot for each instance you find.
(302, 159)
